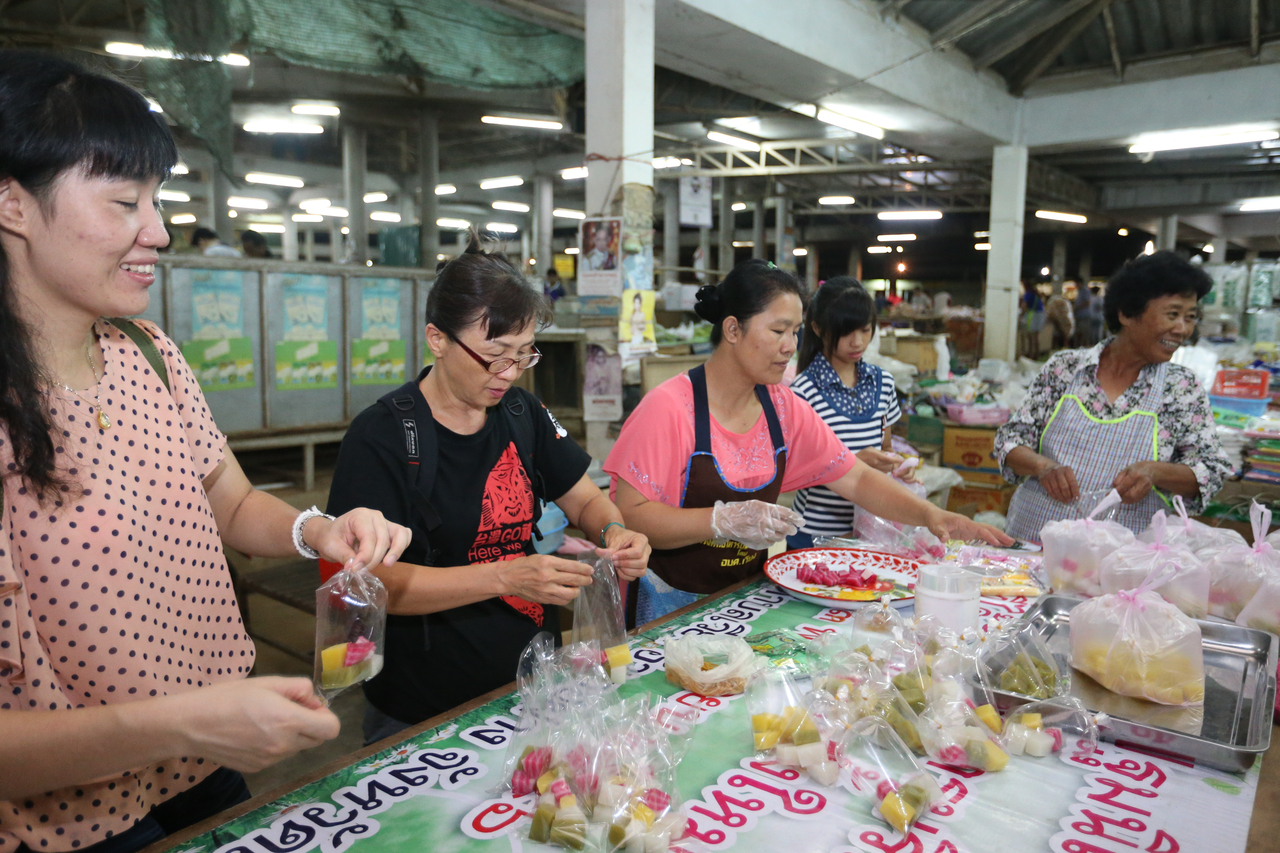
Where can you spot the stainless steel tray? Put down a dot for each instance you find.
(1228, 732)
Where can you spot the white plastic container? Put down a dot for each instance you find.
(951, 594)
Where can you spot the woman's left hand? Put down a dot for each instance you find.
(629, 551)
(1134, 483)
(951, 525)
(362, 536)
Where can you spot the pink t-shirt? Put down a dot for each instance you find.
(652, 453)
(122, 593)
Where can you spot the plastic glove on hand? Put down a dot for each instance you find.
(756, 524)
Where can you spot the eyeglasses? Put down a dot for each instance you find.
(498, 365)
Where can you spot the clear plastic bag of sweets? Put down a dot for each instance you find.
(1040, 728)
(1193, 535)
(1188, 585)
(598, 616)
(1137, 644)
(351, 628)
(708, 665)
(1074, 548)
(883, 772)
(1237, 572)
(780, 724)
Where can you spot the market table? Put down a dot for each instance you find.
(434, 789)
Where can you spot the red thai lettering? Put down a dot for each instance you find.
(1129, 767)
(712, 837)
(727, 815)
(801, 801)
(694, 700)
(966, 772)
(1096, 824)
(1074, 845)
(875, 838)
(1110, 797)
(507, 811)
(1164, 843)
(834, 616)
(813, 632)
(772, 768)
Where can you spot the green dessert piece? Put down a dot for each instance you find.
(569, 829)
(1028, 676)
(540, 830)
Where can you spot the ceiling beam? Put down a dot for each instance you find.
(893, 8)
(1255, 28)
(977, 17)
(1064, 37)
(1033, 29)
(1113, 43)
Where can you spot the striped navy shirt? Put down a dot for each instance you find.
(871, 407)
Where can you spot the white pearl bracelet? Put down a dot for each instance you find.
(300, 522)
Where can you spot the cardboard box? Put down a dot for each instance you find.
(989, 479)
(969, 447)
(918, 350)
(980, 499)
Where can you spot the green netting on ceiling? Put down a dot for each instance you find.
(445, 41)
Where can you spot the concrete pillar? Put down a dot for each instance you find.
(543, 203)
(354, 165)
(428, 177)
(1167, 232)
(1219, 250)
(219, 214)
(290, 237)
(619, 110)
(855, 262)
(758, 238)
(310, 254)
(670, 230)
(811, 269)
(781, 247)
(724, 236)
(526, 249)
(1004, 261)
(337, 241)
(1058, 269)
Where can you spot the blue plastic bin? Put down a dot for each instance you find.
(1256, 408)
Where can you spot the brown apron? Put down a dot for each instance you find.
(705, 567)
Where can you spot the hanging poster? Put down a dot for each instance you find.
(637, 269)
(564, 266)
(306, 307)
(306, 365)
(599, 270)
(602, 385)
(217, 304)
(635, 321)
(700, 263)
(375, 362)
(380, 308)
(695, 201)
(222, 365)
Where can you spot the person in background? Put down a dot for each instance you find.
(553, 287)
(254, 245)
(1058, 314)
(1030, 320)
(210, 245)
(857, 400)
(1118, 415)
(126, 710)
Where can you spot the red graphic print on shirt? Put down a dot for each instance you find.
(506, 522)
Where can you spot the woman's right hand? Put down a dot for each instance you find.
(543, 579)
(250, 724)
(756, 524)
(1060, 482)
(881, 460)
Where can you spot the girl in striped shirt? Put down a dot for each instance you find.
(857, 400)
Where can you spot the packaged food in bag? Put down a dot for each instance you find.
(883, 772)
(351, 629)
(1263, 610)
(959, 677)
(877, 622)
(641, 792)
(1137, 644)
(1038, 729)
(1196, 536)
(915, 543)
(904, 665)
(1074, 548)
(780, 723)
(832, 718)
(1188, 585)
(598, 615)
(1020, 662)
(955, 735)
(709, 665)
(933, 635)
(1236, 572)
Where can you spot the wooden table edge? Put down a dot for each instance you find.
(183, 836)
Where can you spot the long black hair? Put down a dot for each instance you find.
(840, 307)
(56, 116)
(485, 287)
(745, 292)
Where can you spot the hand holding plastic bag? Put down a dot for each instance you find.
(351, 627)
(598, 616)
(756, 524)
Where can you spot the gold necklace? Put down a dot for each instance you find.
(104, 422)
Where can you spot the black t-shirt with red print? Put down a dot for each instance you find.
(485, 501)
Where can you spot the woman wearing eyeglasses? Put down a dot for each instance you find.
(461, 456)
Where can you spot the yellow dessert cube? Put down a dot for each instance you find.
(991, 717)
(334, 657)
(545, 780)
(997, 758)
(806, 732)
(639, 811)
(568, 801)
(618, 656)
(767, 740)
(897, 812)
(1032, 721)
(766, 723)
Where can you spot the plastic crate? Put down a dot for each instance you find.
(1242, 382)
(1257, 408)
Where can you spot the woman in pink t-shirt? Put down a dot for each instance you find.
(701, 461)
(125, 710)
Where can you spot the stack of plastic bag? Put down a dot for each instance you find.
(598, 617)
(1137, 644)
(351, 627)
(1187, 587)
(883, 772)
(1238, 572)
(1074, 548)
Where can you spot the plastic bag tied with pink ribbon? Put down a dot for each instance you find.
(1074, 548)
(1187, 587)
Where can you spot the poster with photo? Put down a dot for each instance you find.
(599, 264)
(217, 303)
(695, 201)
(635, 321)
(602, 385)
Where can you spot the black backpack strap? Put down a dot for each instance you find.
(147, 344)
(417, 428)
(521, 409)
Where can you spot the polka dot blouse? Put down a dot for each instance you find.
(119, 594)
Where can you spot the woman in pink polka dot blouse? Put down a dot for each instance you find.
(125, 707)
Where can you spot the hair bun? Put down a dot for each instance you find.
(708, 303)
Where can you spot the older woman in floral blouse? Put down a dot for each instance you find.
(1118, 415)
